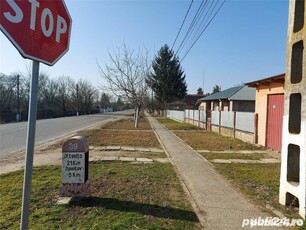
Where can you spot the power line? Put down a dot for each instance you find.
(208, 14)
(203, 21)
(197, 21)
(191, 26)
(182, 24)
(203, 30)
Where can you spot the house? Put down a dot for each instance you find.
(188, 102)
(269, 107)
(191, 99)
(238, 98)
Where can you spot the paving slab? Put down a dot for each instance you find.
(150, 153)
(112, 148)
(270, 160)
(100, 148)
(248, 151)
(141, 159)
(63, 200)
(219, 205)
(162, 160)
(129, 149)
(203, 151)
(244, 161)
(92, 159)
(142, 149)
(109, 158)
(221, 161)
(128, 159)
(156, 150)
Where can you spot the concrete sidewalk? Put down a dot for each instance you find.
(220, 206)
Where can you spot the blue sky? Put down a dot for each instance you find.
(246, 41)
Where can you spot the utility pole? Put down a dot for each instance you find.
(18, 115)
(203, 79)
(77, 89)
(152, 102)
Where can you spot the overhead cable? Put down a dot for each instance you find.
(182, 24)
(206, 12)
(203, 30)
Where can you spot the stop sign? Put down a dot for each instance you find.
(39, 29)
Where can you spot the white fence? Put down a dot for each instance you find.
(242, 121)
(202, 116)
(227, 119)
(176, 115)
(215, 117)
(245, 121)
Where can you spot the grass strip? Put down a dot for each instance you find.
(175, 125)
(260, 183)
(244, 156)
(122, 133)
(213, 141)
(124, 196)
(128, 124)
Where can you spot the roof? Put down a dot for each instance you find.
(192, 98)
(237, 93)
(266, 81)
(244, 94)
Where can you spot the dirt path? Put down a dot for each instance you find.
(48, 154)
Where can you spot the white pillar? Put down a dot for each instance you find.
(231, 105)
(293, 163)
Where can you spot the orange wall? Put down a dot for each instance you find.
(262, 92)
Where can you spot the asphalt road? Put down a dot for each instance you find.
(13, 136)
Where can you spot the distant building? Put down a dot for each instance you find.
(187, 103)
(238, 98)
(106, 110)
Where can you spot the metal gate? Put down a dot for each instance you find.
(275, 121)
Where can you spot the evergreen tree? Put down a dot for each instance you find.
(200, 91)
(168, 78)
(216, 89)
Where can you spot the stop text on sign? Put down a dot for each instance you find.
(46, 21)
(39, 29)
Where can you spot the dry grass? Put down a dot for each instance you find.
(233, 155)
(260, 182)
(174, 125)
(213, 141)
(128, 124)
(122, 133)
(100, 137)
(123, 196)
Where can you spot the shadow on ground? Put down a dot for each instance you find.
(129, 206)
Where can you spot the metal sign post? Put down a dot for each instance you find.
(25, 24)
(30, 147)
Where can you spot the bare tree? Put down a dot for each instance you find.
(49, 96)
(125, 76)
(65, 98)
(105, 100)
(42, 94)
(87, 95)
(7, 93)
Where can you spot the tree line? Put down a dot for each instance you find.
(130, 77)
(62, 96)
(130, 74)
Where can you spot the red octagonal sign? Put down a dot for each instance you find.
(39, 29)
